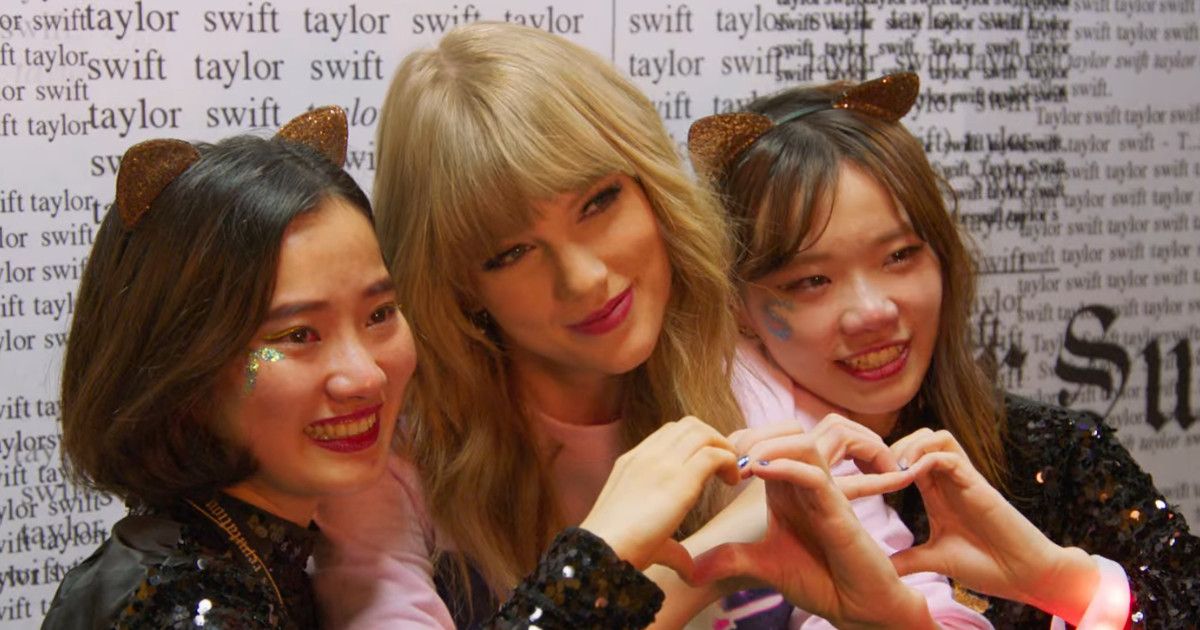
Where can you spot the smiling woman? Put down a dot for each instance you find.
(236, 354)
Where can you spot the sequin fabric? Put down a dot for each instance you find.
(581, 583)
(1072, 479)
(174, 569)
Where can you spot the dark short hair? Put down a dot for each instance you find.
(163, 308)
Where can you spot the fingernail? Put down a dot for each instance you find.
(903, 464)
(743, 461)
(764, 462)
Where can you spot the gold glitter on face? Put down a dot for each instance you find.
(256, 358)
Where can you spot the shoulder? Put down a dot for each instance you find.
(207, 591)
(1040, 429)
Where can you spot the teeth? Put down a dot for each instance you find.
(874, 360)
(325, 432)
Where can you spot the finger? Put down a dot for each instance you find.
(902, 446)
(858, 486)
(948, 466)
(745, 439)
(710, 461)
(933, 441)
(834, 443)
(797, 473)
(919, 559)
(726, 561)
(674, 556)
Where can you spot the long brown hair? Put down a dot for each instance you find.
(771, 192)
(472, 132)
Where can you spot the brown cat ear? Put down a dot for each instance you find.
(714, 142)
(888, 98)
(146, 169)
(323, 129)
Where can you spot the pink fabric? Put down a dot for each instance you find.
(766, 396)
(376, 572)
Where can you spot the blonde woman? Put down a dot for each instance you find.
(567, 284)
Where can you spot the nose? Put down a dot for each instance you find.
(355, 372)
(579, 272)
(868, 308)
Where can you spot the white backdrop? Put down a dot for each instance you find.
(1070, 129)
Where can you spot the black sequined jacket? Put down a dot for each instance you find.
(174, 568)
(1071, 478)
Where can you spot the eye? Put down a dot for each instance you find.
(506, 257)
(904, 254)
(601, 201)
(807, 283)
(383, 314)
(297, 335)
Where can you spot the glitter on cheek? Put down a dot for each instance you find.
(777, 323)
(256, 358)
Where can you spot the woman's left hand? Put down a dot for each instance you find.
(979, 539)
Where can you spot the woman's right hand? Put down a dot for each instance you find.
(653, 486)
(816, 553)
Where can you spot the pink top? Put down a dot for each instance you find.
(767, 396)
(376, 570)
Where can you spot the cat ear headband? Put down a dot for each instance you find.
(716, 142)
(149, 167)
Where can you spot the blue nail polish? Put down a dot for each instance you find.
(764, 462)
(743, 461)
(903, 464)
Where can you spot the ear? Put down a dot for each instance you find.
(745, 324)
(146, 169)
(323, 129)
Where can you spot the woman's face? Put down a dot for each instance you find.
(583, 290)
(853, 317)
(316, 397)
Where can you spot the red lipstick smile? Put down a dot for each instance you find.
(606, 317)
(349, 433)
(877, 363)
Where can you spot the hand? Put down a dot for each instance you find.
(815, 552)
(979, 539)
(652, 487)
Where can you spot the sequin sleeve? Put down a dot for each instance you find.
(1073, 479)
(219, 596)
(581, 583)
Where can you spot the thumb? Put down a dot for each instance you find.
(675, 556)
(918, 559)
(728, 560)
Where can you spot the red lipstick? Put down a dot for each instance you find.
(606, 317)
(347, 434)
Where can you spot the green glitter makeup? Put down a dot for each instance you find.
(269, 355)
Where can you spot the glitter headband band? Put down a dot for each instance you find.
(147, 168)
(716, 142)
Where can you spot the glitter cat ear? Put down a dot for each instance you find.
(323, 129)
(715, 142)
(887, 98)
(146, 169)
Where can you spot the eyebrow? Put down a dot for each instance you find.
(289, 309)
(887, 237)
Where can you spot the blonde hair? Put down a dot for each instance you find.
(472, 132)
(771, 192)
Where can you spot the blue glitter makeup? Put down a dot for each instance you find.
(269, 355)
(777, 324)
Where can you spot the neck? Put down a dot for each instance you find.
(299, 510)
(571, 397)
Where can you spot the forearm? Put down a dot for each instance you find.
(743, 520)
